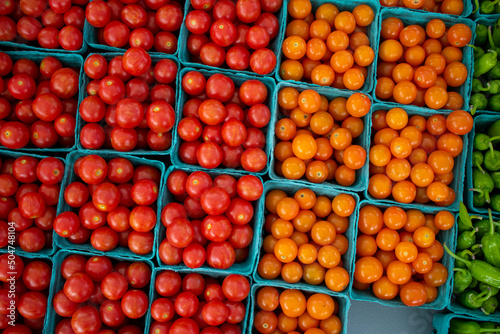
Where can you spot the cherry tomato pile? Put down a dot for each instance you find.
(304, 238)
(330, 48)
(223, 124)
(133, 98)
(308, 136)
(412, 158)
(422, 65)
(51, 24)
(452, 7)
(38, 103)
(24, 298)
(152, 25)
(98, 292)
(397, 253)
(292, 311)
(236, 34)
(198, 304)
(213, 223)
(29, 193)
(113, 203)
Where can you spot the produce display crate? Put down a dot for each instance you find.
(238, 78)
(348, 258)
(244, 268)
(458, 181)
(421, 18)
(206, 272)
(46, 252)
(481, 122)
(90, 37)
(58, 281)
(457, 308)
(444, 291)
(19, 45)
(363, 140)
(487, 21)
(275, 46)
(68, 60)
(343, 301)
(372, 31)
(155, 57)
(70, 176)
(441, 322)
(477, 12)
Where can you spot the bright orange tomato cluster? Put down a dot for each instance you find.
(305, 238)
(412, 158)
(329, 48)
(314, 131)
(453, 7)
(293, 312)
(397, 253)
(422, 66)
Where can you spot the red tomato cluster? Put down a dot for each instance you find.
(29, 193)
(237, 34)
(133, 98)
(51, 23)
(198, 304)
(216, 129)
(212, 223)
(24, 300)
(115, 202)
(37, 103)
(397, 253)
(149, 24)
(99, 292)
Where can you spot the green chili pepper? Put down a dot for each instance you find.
(482, 227)
(483, 183)
(491, 244)
(481, 34)
(477, 250)
(478, 101)
(477, 160)
(488, 325)
(477, 86)
(478, 198)
(460, 326)
(492, 38)
(494, 129)
(492, 159)
(485, 63)
(461, 280)
(482, 141)
(478, 51)
(494, 102)
(494, 73)
(473, 299)
(467, 255)
(480, 270)
(496, 178)
(484, 286)
(474, 284)
(466, 240)
(495, 33)
(495, 202)
(494, 87)
(488, 7)
(490, 305)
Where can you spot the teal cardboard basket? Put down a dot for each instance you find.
(421, 18)
(372, 31)
(244, 268)
(70, 176)
(238, 78)
(274, 45)
(290, 187)
(477, 14)
(46, 251)
(343, 301)
(441, 322)
(459, 177)
(219, 275)
(487, 21)
(448, 237)
(57, 284)
(90, 37)
(457, 308)
(468, 8)
(481, 124)
(363, 140)
(155, 57)
(68, 60)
